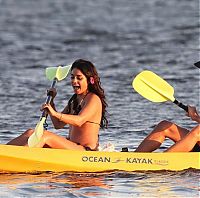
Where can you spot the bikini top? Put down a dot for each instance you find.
(76, 107)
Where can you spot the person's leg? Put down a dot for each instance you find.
(188, 142)
(22, 139)
(48, 139)
(58, 142)
(164, 129)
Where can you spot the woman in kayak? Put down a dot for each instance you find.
(185, 140)
(85, 112)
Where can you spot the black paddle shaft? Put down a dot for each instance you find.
(197, 64)
(49, 97)
(181, 105)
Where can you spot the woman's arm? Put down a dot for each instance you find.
(90, 108)
(58, 124)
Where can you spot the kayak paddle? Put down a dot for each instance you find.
(55, 74)
(154, 88)
(197, 64)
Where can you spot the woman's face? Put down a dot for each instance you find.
(79, 82)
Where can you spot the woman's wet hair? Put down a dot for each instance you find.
(94, 86)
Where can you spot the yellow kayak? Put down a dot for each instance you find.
(25, 159)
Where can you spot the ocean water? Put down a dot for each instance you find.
(121, 38)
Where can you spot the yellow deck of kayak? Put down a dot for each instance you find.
(25, 159)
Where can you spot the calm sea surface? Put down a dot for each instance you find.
(122, 38)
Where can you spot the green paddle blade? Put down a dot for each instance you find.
(153, 87)
(57, 72)
(35, 138)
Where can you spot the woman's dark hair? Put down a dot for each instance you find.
(89, 70)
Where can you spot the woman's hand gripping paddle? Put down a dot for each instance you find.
(55, 74)
(154, 88)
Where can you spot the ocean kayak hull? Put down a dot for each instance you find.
(25, 159)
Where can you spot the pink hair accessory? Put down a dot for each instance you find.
(92, 80)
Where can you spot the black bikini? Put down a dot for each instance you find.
(196, 148)
(87, 148)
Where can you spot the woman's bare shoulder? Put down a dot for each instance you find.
(92, 97)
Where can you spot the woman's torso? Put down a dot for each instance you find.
(87, 134)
